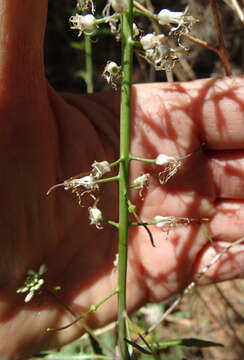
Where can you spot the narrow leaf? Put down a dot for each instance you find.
(138, 347)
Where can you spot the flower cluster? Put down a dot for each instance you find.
(157, 50)
(33, 282)
(88, 184)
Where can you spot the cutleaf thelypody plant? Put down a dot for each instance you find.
(158, 51)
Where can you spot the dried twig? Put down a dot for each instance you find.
(189, 288)
(235, 6)
(221, 50)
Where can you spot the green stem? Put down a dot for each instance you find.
(125, 114)
(89, 66)
(111, 222)
(115, 163)
(93, 308)
(152, 161)
(113, 178)
(82, 323)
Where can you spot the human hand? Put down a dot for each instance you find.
(46, 138)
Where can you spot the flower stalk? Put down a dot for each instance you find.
(125, 115)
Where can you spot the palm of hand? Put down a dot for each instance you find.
(79, 257)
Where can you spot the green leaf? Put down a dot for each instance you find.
(172, 343)
(138, 347)
(186, 342)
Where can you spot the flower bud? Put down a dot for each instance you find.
(167, 17)
(162, 159)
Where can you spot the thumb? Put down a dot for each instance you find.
(22, 29)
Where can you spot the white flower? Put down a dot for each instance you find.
(141, 181)
(76, 184)
(162, 159)
(100, 168)
(29, 296)
(183, 22)
(88, 182)
(167, 17)
(171, 166)
(157, 52)
(112, 73)
(148, 41)
(33, 282)
(95, 216)
(86, 23)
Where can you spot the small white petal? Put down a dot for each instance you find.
(42, 269)
(41, 282)
(23, 289)
(29, 296)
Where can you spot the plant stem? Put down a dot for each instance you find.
(110, 179)
(152, 161)
(89, 66)
(125, 114)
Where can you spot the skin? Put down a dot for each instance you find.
(47, 137)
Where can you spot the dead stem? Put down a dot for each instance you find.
(221, 50)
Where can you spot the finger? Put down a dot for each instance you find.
(225, 227)
(219, 110)
(227, 168)
(22, 27)
(228, 222)
(210, 111)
